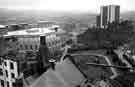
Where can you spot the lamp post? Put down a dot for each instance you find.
(52, 61)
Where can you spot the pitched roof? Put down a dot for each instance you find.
(64, 75)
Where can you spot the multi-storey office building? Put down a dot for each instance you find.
(98, 18)
(103, 16)
(113, 13)
(108, 14)
(16, 66)
(10, 73)
(31, 40)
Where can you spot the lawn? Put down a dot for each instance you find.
(92, 72)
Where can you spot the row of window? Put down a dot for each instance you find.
(12, 74)
(56, 47)
(11, 65)
(53, 43)
(36, 47)
(34, 39)
(8, 85)
(31, 47)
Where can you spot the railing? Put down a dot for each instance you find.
(114, 66)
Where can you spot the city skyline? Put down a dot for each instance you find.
(65, 5)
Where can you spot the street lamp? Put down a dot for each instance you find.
(52, 61)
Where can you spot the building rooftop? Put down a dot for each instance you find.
(33, 31)
(64, 75)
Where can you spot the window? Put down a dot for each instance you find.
(55, 42)
(49, 43)
(2, 83)
(42, 40)
(12, 75)
(21, 46)
(13, 84)
(1, 72)
(5, 63)
(11, 65)
(31, 47)
(26, 47)
(36, 47)
(6, 73)
(7, 84)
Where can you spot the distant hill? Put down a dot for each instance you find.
(128, 15)
(83, 19)
(31, 16)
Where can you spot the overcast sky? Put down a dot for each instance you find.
(66, 5)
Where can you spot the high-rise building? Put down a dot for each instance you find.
(10, 71)
(108, 14)
(113, 13)
(98, 21)
(103, 16)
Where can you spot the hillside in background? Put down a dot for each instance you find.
(130, 15)
(83, 19)
(32, 16)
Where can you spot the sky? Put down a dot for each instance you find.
(66, 5)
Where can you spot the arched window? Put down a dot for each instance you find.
(36, 47)
(21, 46)
(26, 47)
(31, 47)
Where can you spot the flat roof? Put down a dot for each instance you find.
(32, 31)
